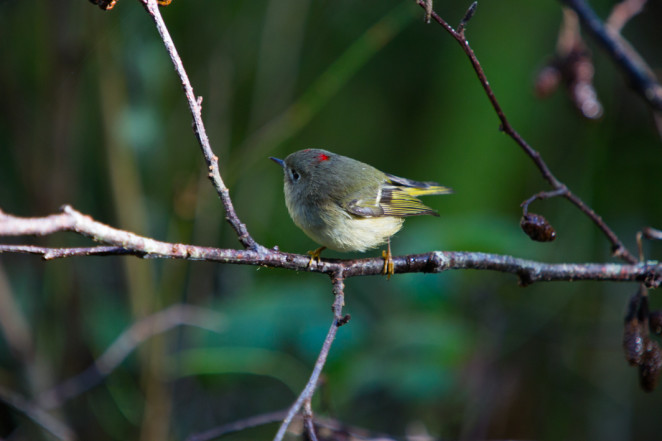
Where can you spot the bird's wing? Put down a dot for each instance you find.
(397, 197)
(417, 188)
(362, 208)
(402, 202)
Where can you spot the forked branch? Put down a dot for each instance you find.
(559, 188)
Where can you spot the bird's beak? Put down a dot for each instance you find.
(278, 161)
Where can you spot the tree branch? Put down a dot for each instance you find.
(195, 104)
(618, 248)
(309, 390)
(123, 242)
(237, 426)
(333, 426)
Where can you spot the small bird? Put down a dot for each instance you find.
(347, 205)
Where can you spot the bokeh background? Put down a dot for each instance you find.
(92, 115)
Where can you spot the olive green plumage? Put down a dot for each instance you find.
(346, 205)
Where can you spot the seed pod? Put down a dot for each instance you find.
(537, 227)
(650, 367)
(633, 342)
(635, 331)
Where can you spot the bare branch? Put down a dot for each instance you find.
(309, 421)
(331, 425)
(127, 342)
(309, 390)
(618, 248)
(237, 426)
(124, 242)
(195, 104)
(540, 196)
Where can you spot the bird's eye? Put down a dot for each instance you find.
(295, 175)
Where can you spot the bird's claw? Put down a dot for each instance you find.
(315, 255)
(389, 266)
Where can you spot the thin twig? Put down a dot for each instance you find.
(237, 426)
(309, 390)
(333, 425)
(618, 248)
(309, 421)
(127, 342)
(195, 104)
(540, 196)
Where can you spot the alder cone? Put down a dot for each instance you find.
(537, 227)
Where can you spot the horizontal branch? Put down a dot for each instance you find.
(124, 242)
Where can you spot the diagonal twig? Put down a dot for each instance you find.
(309, 390)
(618, 248)
(195, 104)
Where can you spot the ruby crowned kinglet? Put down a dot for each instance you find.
(346, 205)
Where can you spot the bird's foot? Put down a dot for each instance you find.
(315, 255)
(389, 267)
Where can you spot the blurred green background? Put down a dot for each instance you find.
(93, 115)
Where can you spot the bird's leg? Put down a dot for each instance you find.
(389, 269)
(315, 255)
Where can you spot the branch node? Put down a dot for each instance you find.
(524, 279)
(344, 320)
